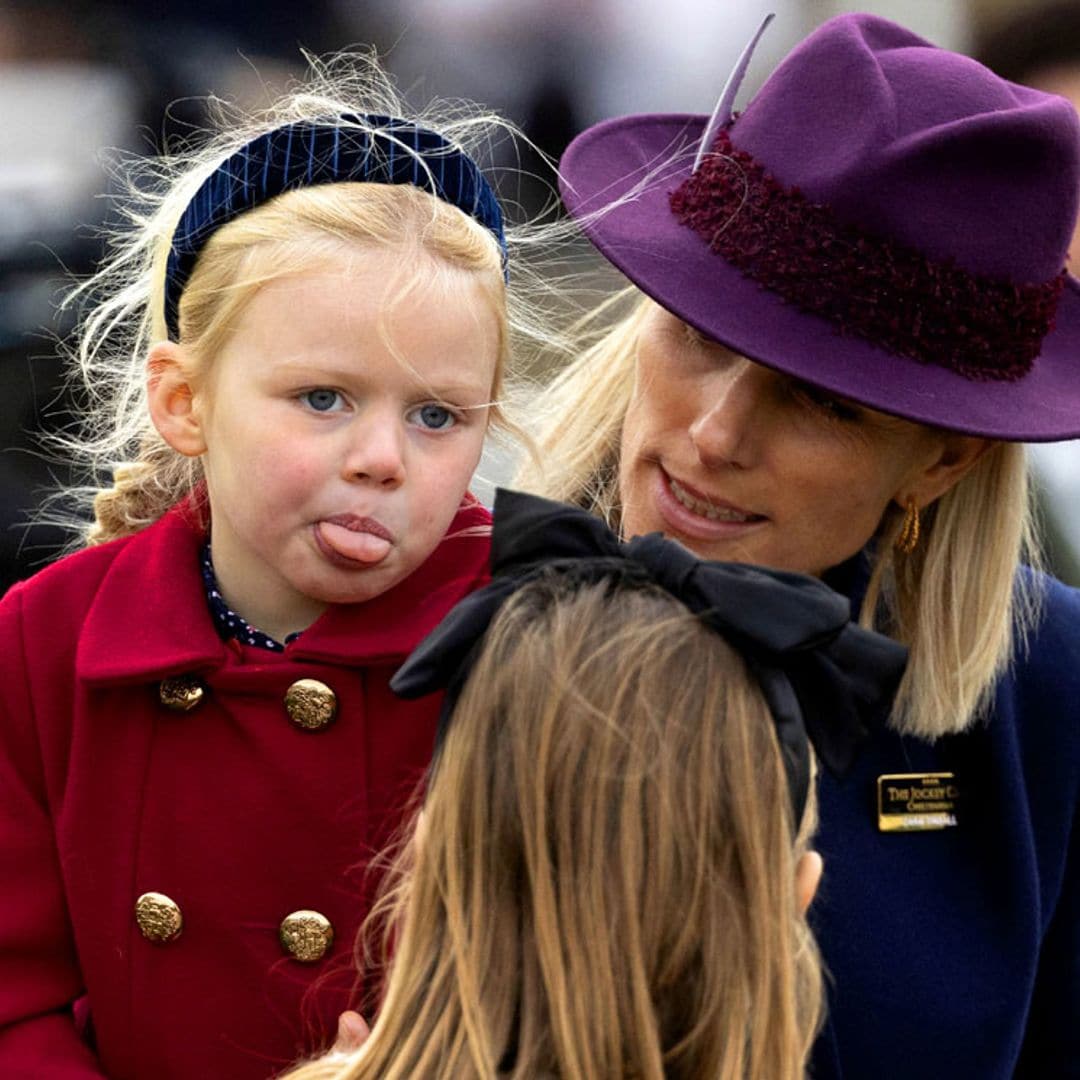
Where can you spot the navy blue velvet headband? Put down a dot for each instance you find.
(383, 150)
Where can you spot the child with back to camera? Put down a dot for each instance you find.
(298, 349)
(611, 869)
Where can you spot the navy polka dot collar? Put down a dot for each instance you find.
(230, 625)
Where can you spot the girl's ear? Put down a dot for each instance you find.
(807, 877)
(172, 400)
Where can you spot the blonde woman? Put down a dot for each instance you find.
(850, 306)
(612, 867)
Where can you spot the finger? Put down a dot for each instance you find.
(351, 1033)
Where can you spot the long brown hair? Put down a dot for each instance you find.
(603, 883)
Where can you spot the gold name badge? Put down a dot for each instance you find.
(917, 802)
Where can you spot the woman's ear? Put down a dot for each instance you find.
(807, 877)
(955, 456)
(172, 401)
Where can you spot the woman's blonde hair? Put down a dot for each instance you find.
(604, 881)
(957, 601)
(122, 305)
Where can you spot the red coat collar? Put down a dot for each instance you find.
(149, 617)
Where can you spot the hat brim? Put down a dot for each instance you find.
(616, 180)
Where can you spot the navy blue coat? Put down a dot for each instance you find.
(956, 954)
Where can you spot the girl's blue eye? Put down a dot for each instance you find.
(435, 417)
(321, 400)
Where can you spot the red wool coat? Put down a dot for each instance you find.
(231, 810)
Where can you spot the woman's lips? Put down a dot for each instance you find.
(354, 539)
(706, 507)
(693, 514)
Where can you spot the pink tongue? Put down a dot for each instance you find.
(362, 547)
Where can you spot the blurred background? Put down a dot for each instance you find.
(82, 79)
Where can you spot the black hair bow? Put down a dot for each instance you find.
(822, 676)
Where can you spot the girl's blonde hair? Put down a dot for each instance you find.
(122, 305)
(604, 880)
(957, 601)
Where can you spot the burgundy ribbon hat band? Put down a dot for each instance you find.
(885, 219)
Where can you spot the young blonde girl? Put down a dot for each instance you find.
(610, 873)
(294, 354)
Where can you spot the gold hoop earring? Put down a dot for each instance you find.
(908, 539)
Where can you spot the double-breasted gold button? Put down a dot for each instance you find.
(159, 917)
(306, 935)
(181, 693)
(311, 705)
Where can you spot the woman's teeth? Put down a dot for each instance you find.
(706, 509)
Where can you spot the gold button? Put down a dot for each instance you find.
(158, 917)
(306, 935)
(181, 693)
(311, 705)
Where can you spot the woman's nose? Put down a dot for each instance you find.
(729, 425)
(376, 450)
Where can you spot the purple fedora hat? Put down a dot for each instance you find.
(885, 219)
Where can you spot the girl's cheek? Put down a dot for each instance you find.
(283, 469)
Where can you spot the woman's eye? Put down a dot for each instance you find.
(826, 403)
(434, 417)
(696, 341)
(692, 335)
(323, 400)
